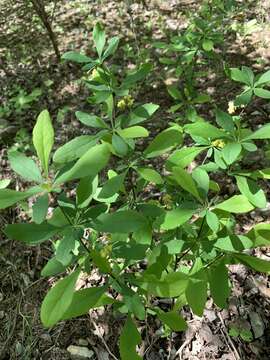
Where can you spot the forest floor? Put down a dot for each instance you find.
(22, 335)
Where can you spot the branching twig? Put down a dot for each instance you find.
(41, 12)
(129, 11)
(228, 339)
(102, 339)
(53, 11)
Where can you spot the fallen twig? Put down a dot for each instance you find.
(228, 339)
(103, 340)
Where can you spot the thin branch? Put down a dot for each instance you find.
(103, 340)
(41, 12)
(229, 340)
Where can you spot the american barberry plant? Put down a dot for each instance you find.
(254, 85)
(176, 246)
(186, 54)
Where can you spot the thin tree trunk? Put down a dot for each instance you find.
(41, 12)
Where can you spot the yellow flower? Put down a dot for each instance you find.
(154, 202)
(231, 107)
(218, 143)
(106, 251)
(167, 200)
(125, 102)
(95, 74)
(121, 104)
(129, 100)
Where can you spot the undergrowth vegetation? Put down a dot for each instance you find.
(95, 197)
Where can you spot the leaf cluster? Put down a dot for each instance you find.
(175, 247)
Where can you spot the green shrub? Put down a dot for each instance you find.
(176, 246)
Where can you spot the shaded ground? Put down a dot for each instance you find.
(21, 289)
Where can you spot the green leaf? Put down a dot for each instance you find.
(213, 185)
(24, 166)
(174, 246)
(124, 221)
(202, 99)
(167, 61)
(142, 113)
(263, 79)
(86, 299)
(196, 294)
(143, 235)
(212, 221)
(119, 145)
(176, 217)
(171, 285)
(133, 132)
(224, 120)
(202, 179)
(249, 74)
(10, 197)
(158, 261)
(101, 262)
(52, 268)
(112, 186)
(136, 75)
(244, 98)
(260, 134)
(234, 332)
(90, 164)
(150, 175)
(94, 211)
(112, 47)
(234, 243)
(236, 204)
(249, 146)
(76, 57)
(108, 200)
(246, 335)
(183, 157)
(40, 208)
(129, 250)
(219, 283)
(253, 262)
(185, 181)
(264, 173)
(58, 300)
(150, 210)
(109, 103)
(65, 247)
(251, 191)
(260, 234)
(135, 305)
(43, 139)
(74, 149)
(204, 130)
(219, 159)
(58, 218)
(89, 66)
(173, 320)
(208, 45)
(164, 142)
(90, 120)
(99, 38)
(4, 183)
(240, 76)
(130, 337)
(31, 233)
(86, 190)
(174, 92)
(231, 151)
(262, 93)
